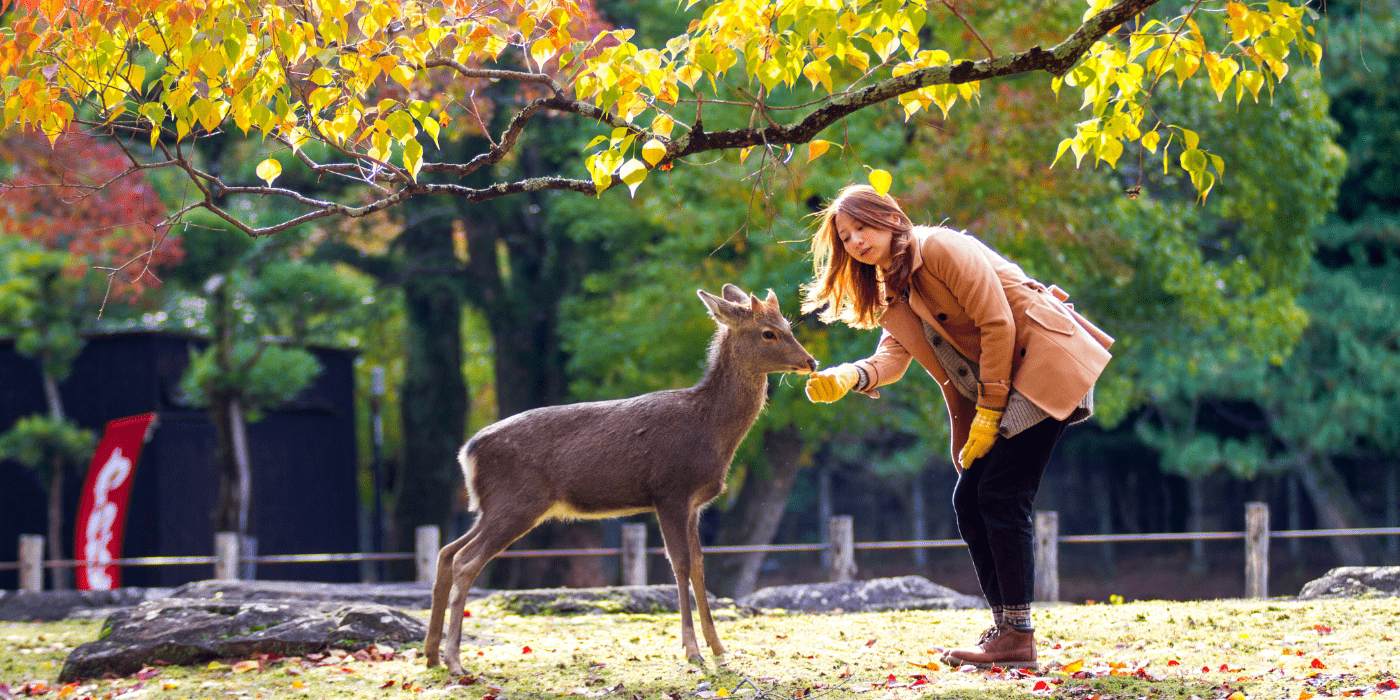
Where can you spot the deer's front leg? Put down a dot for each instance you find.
(673, 535)
(697, 582)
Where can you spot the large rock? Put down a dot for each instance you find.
(876, 595)
(1355, 582)
(188, 631)
(44, 606)
(574, 601)
(410, 596)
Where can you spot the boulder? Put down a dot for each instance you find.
(45, 606)
(190, 631)
(876, 595)
(409, 596)
(575, 601)
(1355, 582)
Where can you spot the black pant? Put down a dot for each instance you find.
(993, 501)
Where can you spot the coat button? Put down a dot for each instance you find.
(937, 341)
(962, 371)
(943, 317)
(1023, 352)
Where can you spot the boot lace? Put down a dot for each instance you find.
(989, 634)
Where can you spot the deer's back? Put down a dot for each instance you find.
(618, 454)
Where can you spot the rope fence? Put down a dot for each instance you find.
(228, 559)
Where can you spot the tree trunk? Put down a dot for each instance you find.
(434, 397)
(61, 577)
(235, 467)
(1197, 498)
(1334, 505)
(759, 509)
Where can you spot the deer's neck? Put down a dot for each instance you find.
(731, 394)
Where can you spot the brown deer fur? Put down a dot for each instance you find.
(667, 451)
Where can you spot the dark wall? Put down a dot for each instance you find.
(304, 462)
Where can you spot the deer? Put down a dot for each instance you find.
(666, 452)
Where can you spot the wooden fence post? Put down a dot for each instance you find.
(1256, 550)
(1047, 556)
(31, 562)
(427, 542)
(634, 554)
(226, 551)
(841, 529)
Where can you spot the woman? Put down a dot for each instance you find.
(1015, 363)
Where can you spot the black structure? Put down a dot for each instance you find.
(305, 492)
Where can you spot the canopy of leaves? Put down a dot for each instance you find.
(363, 78)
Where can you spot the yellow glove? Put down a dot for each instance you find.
(980, 436)
(831, 384)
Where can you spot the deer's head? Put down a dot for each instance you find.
(758, 336)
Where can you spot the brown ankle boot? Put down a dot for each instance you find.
(1007, 647)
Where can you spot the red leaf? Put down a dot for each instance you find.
(466, 613)
(1317, 663)
(892, 678)
(1387, 685)
(147, 673)
(526, 650)
(387, 684)
(782, 636)
(1173, 662)
(871, 643)
(1322, 629)
(1041, 685)
(1205, 669)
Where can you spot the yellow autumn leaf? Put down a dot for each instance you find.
(268, 170)
(1150, 140)
(248, 664)
(1074, 666)
(653, 151)
(816, 148)
(881, 181)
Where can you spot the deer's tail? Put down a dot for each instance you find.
(467, 458)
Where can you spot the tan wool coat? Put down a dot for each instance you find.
(1019, 331)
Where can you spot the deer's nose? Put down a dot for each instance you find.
(812, 364)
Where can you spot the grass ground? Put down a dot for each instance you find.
(1157, 650)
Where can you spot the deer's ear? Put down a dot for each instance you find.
(734, 294)
(722, 310)
(772, 301)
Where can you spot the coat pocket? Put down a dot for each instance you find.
(1051, 318)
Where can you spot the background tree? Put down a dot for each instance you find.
(261, 310)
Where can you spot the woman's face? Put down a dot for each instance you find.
(867, 244)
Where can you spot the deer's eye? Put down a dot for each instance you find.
(770, 335)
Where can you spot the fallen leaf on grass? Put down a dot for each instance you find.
(1074, 666)
(1306, 694)
(1317, 663)
(871, 643)
(930, 665)
(298, 685)
(246, 666)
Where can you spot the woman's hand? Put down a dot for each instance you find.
(831, 384)
(980, 436)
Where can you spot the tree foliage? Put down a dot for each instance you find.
(366, 79)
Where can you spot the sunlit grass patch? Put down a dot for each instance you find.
(1211, 650)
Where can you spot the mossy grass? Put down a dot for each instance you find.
(1156, 650)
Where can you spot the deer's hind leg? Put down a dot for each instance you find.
(697, 582)
(493, 533)
(675, 523)
(442, 587)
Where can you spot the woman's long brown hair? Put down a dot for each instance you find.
(843, 288)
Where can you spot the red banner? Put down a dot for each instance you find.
(102, 510)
